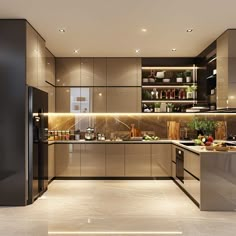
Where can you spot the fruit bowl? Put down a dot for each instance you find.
(210, 148)
(222, 149)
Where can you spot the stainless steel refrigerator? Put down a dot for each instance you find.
(38, 143)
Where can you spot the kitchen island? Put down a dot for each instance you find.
(209, 177)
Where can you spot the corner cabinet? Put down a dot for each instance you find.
(169, 89)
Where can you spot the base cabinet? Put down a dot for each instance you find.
(67, 160)
(161, 160)
(51, 162)
(93, 159)
(137, 160)
(115, 160)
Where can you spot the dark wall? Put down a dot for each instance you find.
(12, 115)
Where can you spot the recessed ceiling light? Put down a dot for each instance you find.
(100, 94)
(173, 49)
(62, 30)
(144, 30)
(189, 30)
(58, 80)
(76, 51)
(137, 50)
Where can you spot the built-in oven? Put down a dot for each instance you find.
(180, 165)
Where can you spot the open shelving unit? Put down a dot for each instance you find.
(179, 93)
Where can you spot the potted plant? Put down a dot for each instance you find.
(189, 92)
(179, 77)
(203, 126)
(194, 89)
(188, 76)
(169, 107)
(157, 107)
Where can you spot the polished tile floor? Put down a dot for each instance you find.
(114, 208)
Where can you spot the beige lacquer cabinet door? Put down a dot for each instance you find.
(41, 64)
(137, 160)
(93, 159)
(50, 67)
(51, 162)
(31, 56)
(99, 99)
(123, 72)
(68, 71)
(62, 99)
(86, 72)
(68, 160)
(115, 159)
(99, 71)
(124, 99)
(161, 160)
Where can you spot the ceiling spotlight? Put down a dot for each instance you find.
(144, 30)
(100, 94)
(137, 50)
(58, 80)
(173, 49)
(62, 30)
(76, 51)
(189, 30)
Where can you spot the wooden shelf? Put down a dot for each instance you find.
(170, 100)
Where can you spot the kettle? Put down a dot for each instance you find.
(89, 134)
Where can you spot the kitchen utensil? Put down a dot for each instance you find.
(160, 74)
(89, 134)
(166, 80)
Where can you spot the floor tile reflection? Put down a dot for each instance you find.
(114, 208)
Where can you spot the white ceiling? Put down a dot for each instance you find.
(112, 28)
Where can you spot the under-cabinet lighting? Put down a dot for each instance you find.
(144, 30)
(116, 232)
(169, 68)
(137, 50)
(76, 51)
(165, 86)
(173, 49)
(62, 30)
(140, 114)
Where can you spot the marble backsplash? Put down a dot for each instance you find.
(163, 126)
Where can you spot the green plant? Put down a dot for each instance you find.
(157, 105)
(179, 75)
(170, 105)
(203, 125)
(188, 73)
(194, 87)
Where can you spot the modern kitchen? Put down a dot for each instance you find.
(97, 137)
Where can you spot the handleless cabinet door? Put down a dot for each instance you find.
(161, 160)
(50, 67)
(51, 162)
(31, 57)
(62, 100)
(41, 64)
(67, 160)
(99, 99)
(86, 72)
(124, 72)
(115, 159)
(68, 72)
(99, 71)
(137, 160)
(124, 99)
(93, 159)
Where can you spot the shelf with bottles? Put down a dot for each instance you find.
(169, 75)
(167, 106)
(168, 93)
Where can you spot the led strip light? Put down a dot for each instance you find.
(116, 232)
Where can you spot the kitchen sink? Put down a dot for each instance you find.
(187, 143)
